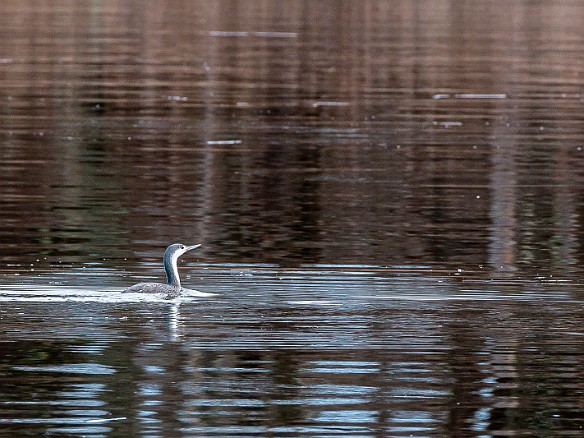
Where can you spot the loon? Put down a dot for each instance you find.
(172, 288)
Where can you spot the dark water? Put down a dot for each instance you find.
(387, 192)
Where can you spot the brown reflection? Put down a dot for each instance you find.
(435, 133)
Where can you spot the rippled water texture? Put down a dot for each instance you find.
(387, 194)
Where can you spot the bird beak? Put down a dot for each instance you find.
(188, 248)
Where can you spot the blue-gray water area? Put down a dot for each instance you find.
(388, 196)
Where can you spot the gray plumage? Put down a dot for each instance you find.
(172, 288)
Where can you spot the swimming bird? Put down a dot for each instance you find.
(172, 288)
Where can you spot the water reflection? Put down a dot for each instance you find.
(387, 194)
(253, 364)
(402, 133)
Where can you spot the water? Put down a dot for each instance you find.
(297, 353)
(387, 194)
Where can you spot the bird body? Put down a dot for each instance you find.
(172, 288)
(155, 288)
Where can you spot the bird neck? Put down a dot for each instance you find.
(171, 269)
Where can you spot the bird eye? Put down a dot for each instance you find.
(182, 247)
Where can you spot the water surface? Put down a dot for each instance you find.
(387, 194)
